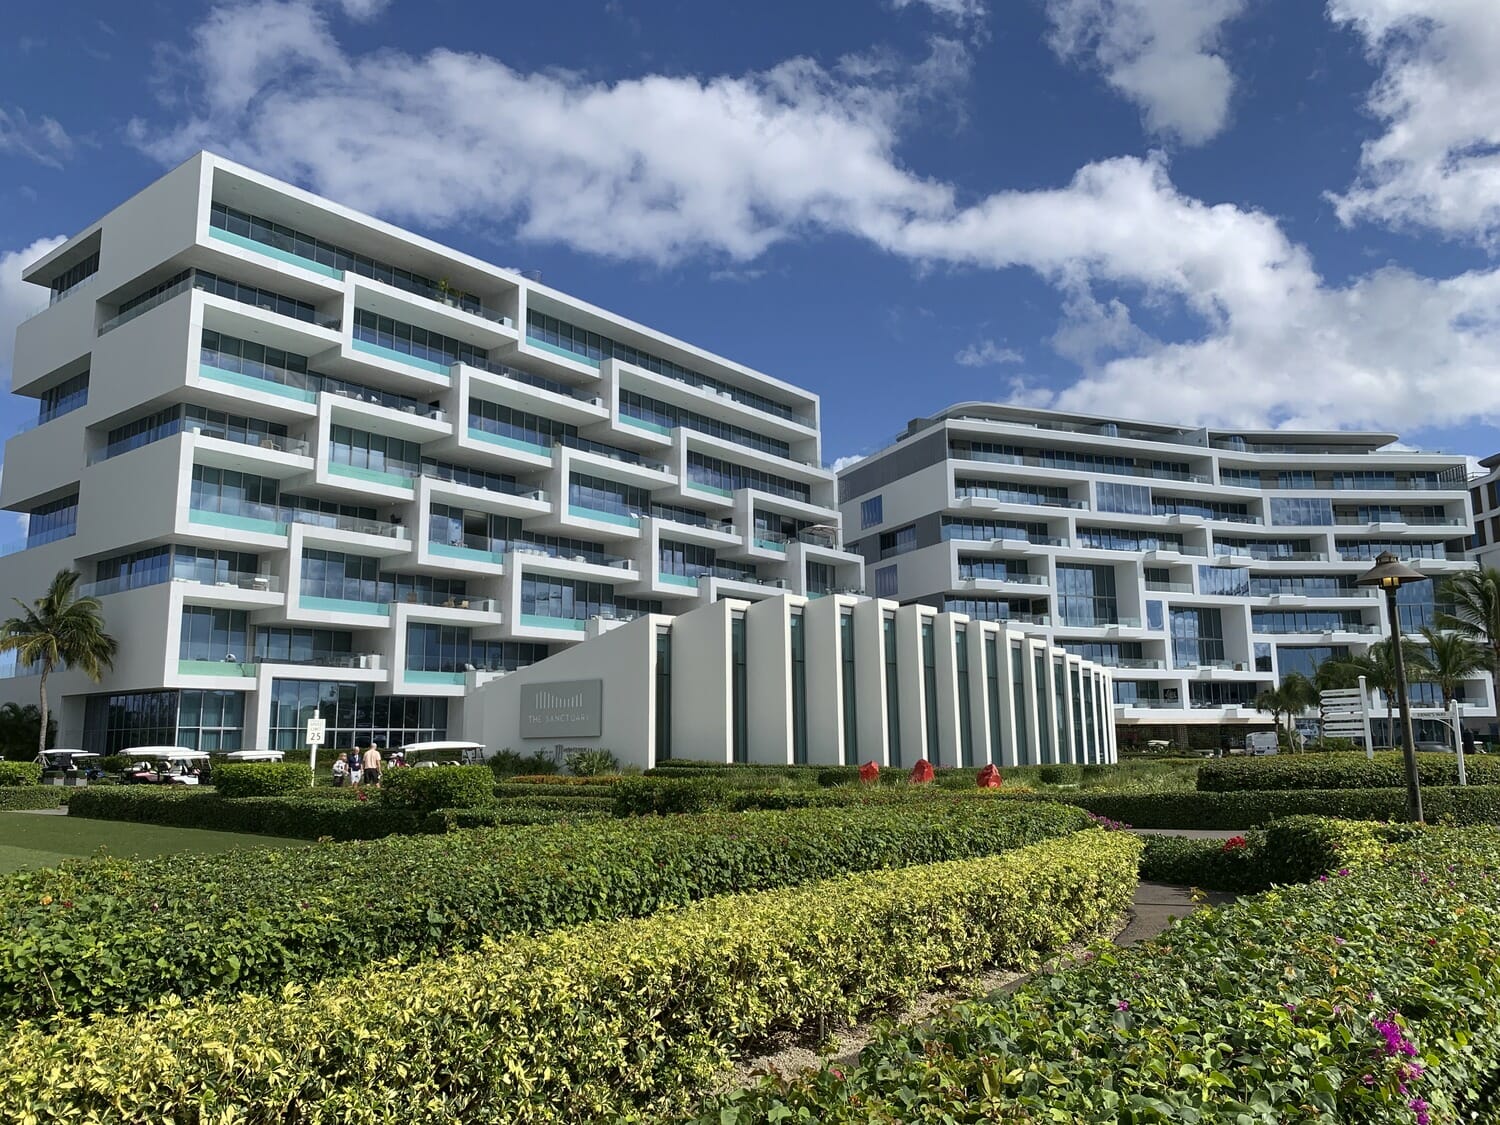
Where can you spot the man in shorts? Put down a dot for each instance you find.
(371, 764)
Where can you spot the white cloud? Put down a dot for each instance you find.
(959, 11)
(363, 9)
(842, 463)
(1437, 164)
(662, 169)
(987, 353)
(18, 300)
(1160, 54)
(42, 140)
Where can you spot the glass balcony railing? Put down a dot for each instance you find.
(274, 519)
(541, 382)
(1169, 587)
(690, 518)
(1016, 579)
(983, 496)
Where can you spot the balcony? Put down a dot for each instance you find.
(1169, 587)
(1008, 579)
(273, 519)
(688, 518)
(966, 497)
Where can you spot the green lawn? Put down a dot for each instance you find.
(36, 840)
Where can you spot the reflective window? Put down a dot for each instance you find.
(1307, 511)
(355, 715)
(871, 511)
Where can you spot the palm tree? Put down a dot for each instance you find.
(1299, 694)
(59, 630)
(18, 731)
(1474, 598)
(1452, 658)
(1273, 702)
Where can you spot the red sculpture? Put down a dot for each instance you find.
(922, 773)
(989, 777)
(869, 772)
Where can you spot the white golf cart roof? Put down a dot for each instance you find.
(173, 753)
(441, 747)
(255, 755)
(69, 754)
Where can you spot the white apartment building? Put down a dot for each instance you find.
(1198, 565)
(836, 680)
(310, 460)
(1484, 496)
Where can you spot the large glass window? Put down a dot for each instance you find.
(998, 570)
(1311, 585)
(1080, 743)
(1045, 725)
(1214, 694)
(1306, 659)
(892, 690)
(591, 346)
(691, 560)
(1012, 492)
(233, 492)
(1304, 621)
(195, 720)
(600, 494)
(663, 694)
(72, 277)
(354, 714)
(279, 644)
(1197, 637)
(506, 421)
(1266, 548)
(1131, 499)
(52, 521)
(1154, 616)
(897, 542)
(1224, 581)
(62, 399)
(1111, 654)
(798, 645)
(929, 691)
(1019, 704)
(419, 343)
(1126, 539)
(965, 721)
(992, 698)
(451, 648)
(1086, 595)
(545, 596)
(1060, 705)
(1416, 606)
(739, 689)
(1302, 511)
(213, 634)
(377, 453)
(1402, 549)
(146, 567)
(851, 701)
(871, 511)
(667, 416)
(955, 527)
(726, 476)
(1233, 511)
(210, 720)
(885, 582)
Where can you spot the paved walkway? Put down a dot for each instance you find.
(1191, 833)
(61, 810)
(1155, 906)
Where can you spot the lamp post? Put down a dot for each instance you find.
(1390, 574)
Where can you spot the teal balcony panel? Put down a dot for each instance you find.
(537, 621)
(509, 442)
(401, 357)
(582, 513)
(563, 352)
(344, 605)
(236, 523)
(414, 677)
(373, 476)
(275, 252)
(254, 383)
(465, 554)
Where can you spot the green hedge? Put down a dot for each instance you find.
(15, 798)
(446, 787)
(1291, 850)
(261, 779)
(507, 792)
(1292, 1006)
(279, 916)
(596, 1023)
(571, 803)
(1341, 771)
(14, 774)
(303, 817)
(1475, 804)
(454, 820)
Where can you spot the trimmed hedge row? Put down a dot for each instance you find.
(447, 787)
(1292, 850)
(596, 1023)
(1341, 771)
(1474, 804)
(18, 798)
(1368, 997)
(303, 817)
(261, 779)
(14, 774)
(454, 820)
(269, 917)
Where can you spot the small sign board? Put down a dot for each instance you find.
(317, 731)
(570, 708)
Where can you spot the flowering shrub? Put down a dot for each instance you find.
(1107, 824)
(296, 915)
(1234, 843)
(622, 1020)
(1371, 997)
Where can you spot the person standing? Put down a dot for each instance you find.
(340, 770)
(371, 764)
(354, 766)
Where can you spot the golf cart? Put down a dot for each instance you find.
(69, 767)
(165, 765)
(255, 755)
(428, 755)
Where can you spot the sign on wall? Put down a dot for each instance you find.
(571, 708)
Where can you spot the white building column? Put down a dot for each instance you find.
(702, 683)
(769, 695)
(825, 682)
(910, 672)
(945, 642)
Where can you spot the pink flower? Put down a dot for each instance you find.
(1122, 1005)
(1420, 1108)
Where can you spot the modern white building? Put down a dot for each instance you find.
(1484, 496)
(310, 460)
(1198, 565)
(835, 680)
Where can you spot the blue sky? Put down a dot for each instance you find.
(1229, 212)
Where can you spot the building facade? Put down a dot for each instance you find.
(310, 461)
(1198, 565)
(835, 680)
(1484, 497)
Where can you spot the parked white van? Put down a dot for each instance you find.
(1261, 742)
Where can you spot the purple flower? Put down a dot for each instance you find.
(1343, 871)
(1291, 1007)
(1322, 878)
(1338, 941)
(1368, 1079)
(1396, 1043)
(1420, 1108)
(1122, 1005)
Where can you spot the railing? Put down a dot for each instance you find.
(1134, 662)
(1018, 579)
(675, 515)
(1020, 498)
(1033, 461)
(444, 601)
(1169, 587)
(612, 452)
(1313, 594)
(147, 305)
(568, 554)
(1221, 551)
(1150, 703)
(541, 382)
(1101, 622)
(524, 491)
(277, 514)
(60, 294)
(323, 659)
(1349, 519)
(238, 579)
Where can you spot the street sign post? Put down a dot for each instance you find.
(1345, 713)
(317, 731)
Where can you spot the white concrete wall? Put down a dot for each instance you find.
(702, 702)
(767, 632)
